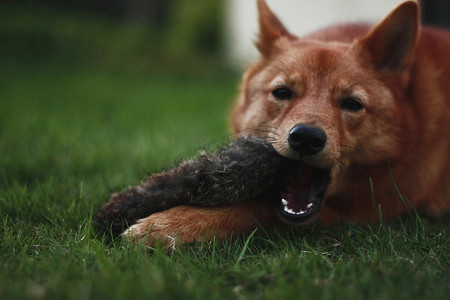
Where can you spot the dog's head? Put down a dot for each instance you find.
(328, 100)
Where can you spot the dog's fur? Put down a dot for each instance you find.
(380, 97)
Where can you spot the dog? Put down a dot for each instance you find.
(364, 109)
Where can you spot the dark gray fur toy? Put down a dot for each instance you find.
(247, 169)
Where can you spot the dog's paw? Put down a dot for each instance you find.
(150, 235)
(171, 227)
(187, 224)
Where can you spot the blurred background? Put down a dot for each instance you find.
(108, 88)
(174, 36)
(303, 17)
(168, 36)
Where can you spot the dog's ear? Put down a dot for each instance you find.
(270, 30)
(391, 44)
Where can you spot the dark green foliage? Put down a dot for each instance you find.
(195, 26)
(188, 45)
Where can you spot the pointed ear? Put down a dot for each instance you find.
(270, 29)
(391, 44)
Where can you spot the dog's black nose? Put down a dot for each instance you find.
(307, 140)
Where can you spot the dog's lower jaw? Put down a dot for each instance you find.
(303, 192)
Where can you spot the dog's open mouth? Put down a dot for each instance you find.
(303, 193)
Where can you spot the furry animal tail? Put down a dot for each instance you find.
(247, 169)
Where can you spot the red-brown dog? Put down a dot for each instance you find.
(370, 105)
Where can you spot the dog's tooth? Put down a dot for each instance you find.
(309, 205)
(292, 211)
(284, 201)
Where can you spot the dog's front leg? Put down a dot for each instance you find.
(185, 224)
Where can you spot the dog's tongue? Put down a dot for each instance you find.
(303, 191)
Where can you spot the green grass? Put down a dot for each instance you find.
(71, 132)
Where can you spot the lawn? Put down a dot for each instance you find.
(74, 128)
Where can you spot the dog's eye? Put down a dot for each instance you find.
(352, 104)
(282, 93)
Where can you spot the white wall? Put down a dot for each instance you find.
(299, 16)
